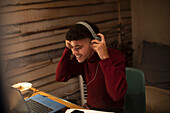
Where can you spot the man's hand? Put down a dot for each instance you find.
(68, 44)
(100, 47)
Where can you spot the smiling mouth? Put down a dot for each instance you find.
(78, 56)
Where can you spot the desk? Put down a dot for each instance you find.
(62, 101)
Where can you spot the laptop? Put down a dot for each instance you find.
(18, 104)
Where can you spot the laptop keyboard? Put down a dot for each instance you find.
(36, 107)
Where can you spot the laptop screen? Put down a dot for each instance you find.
(16, 101)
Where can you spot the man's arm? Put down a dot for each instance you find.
(114, 72)
(68, 68)
(113, 67)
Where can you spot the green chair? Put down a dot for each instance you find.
(135, 95)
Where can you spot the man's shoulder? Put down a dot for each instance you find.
(116, 55)
(114, 52)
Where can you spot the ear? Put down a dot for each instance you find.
(91, 45)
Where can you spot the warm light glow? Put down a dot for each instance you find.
(22, 86)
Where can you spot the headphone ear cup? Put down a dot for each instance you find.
(97, 38)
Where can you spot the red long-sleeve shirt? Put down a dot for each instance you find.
(108, 89)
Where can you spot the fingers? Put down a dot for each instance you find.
(68, 44)
(67, 41)
(95, 41)
(102, 37)
(97, 45)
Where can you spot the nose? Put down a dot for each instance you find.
(74, 51)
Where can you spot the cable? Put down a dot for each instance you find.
(94, 75)
(86, 84)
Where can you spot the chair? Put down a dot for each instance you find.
(135, 95)
(83, 91)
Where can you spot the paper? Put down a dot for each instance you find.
(86, 111)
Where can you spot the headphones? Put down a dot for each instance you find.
(90, 29)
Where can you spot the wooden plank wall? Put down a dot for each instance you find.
(34, 33)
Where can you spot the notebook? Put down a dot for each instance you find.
(18, 104)
(85, 111)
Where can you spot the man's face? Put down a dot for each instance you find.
(82, 49)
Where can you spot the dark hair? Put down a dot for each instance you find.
(78, 31)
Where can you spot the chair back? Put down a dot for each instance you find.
(135, 95)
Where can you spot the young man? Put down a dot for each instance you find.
(102, 68)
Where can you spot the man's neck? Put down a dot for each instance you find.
(91, 55)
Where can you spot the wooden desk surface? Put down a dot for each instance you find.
(62, 101)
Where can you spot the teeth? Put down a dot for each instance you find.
(77, 56)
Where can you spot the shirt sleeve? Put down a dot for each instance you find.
(68, 67)
(114, 72)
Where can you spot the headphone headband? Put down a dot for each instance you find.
(89, 28)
